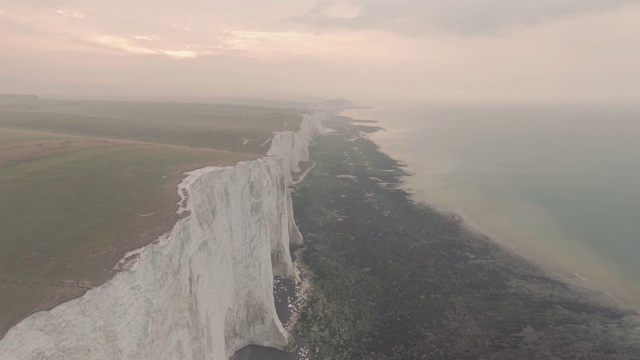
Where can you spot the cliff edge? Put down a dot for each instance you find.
(202, 291)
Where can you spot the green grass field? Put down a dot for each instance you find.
(78, 192)
(205, 136)
(10, 137)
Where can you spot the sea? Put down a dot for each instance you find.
(556, 184)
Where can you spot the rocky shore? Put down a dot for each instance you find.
(395, 279)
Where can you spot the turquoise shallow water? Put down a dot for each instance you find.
(557, 184)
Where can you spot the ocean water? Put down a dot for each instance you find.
(559, 185)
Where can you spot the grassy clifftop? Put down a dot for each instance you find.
(79, 191)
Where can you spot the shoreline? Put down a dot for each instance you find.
(585, 271)
(551, 268)
(374, 248)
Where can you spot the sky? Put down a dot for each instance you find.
(370, 51)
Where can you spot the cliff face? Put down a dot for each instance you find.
(293, 147)
(202, 291)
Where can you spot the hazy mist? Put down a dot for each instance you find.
(428, 51)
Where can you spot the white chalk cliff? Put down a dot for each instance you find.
(293, 147)
(202, 291)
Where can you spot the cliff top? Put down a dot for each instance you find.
(238, 128)
(82, 183)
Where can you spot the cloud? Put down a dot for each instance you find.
(134, 47)
(70, 14)
(390, 50)
(421, 17)
(161, 28)
(180, 54)
(336, 9)
(123, 44)
(145, 37)
(365, 45)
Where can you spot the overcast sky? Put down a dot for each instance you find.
(422, 51)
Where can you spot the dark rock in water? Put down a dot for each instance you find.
(254, 352)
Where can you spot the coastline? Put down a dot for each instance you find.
(394, 277)
(245, 313)
(510, 202)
